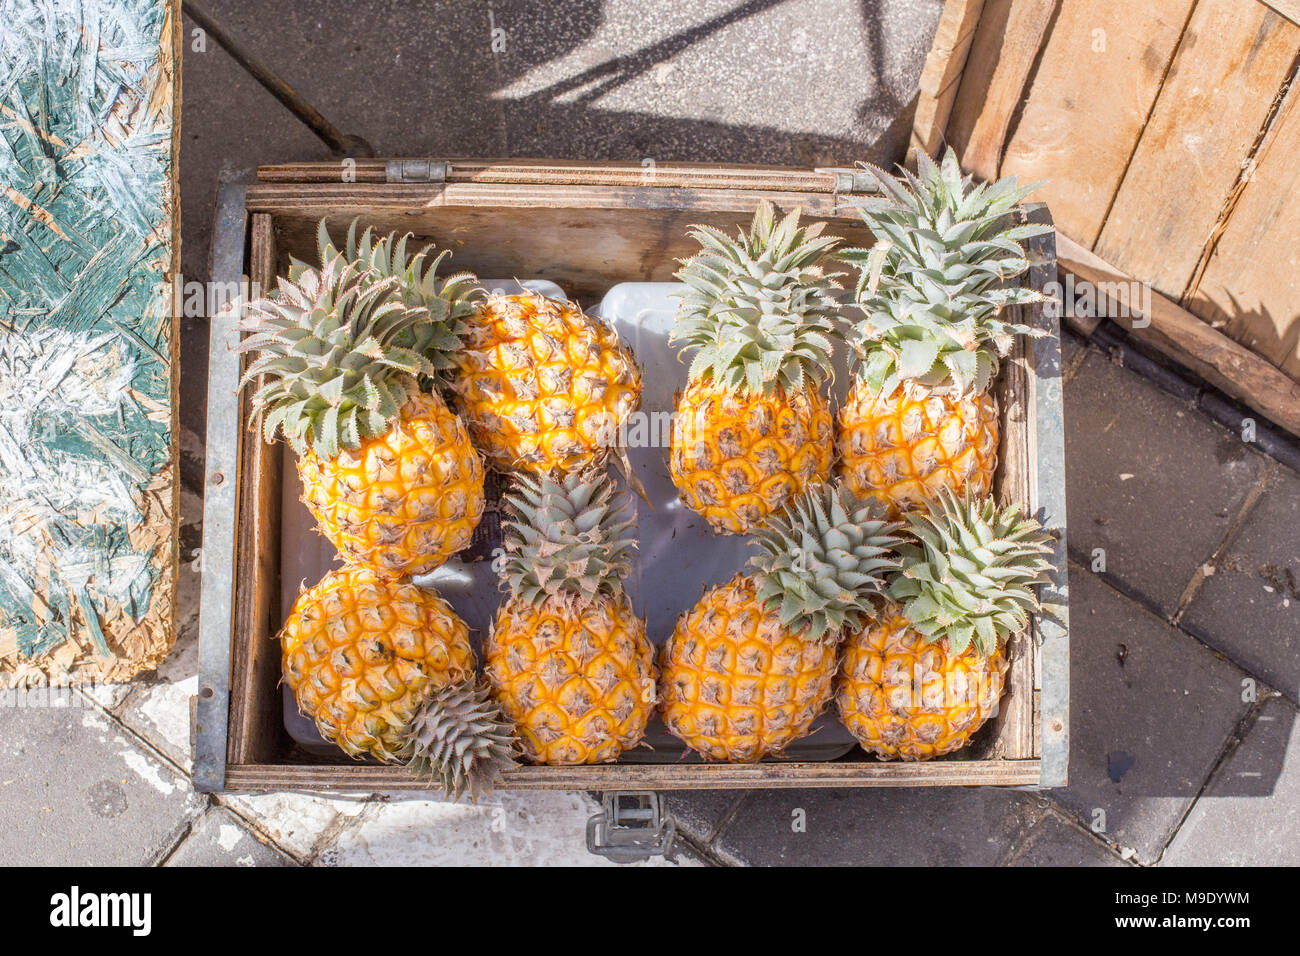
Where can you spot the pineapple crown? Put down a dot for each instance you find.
(934, 285)
(821, 559)
(448, 302)
(329, 350)
(969, 576)
(566, 537)
(460, 740)
(760, 308)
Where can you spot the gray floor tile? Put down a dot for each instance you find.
(1151, 710)
(77, 791)
(886, 826)
(805, 82)
(1250, 813)
(701, 812)
(219, 838)
(1053, 842)
(1250, 607)
(229, 126)
(1149, 480)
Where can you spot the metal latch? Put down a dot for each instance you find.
(630, 827)
(852, 180)
(415, 171)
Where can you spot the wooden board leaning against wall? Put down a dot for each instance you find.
(89, 245)
(1166, 134)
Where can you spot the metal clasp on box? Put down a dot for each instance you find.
(630, 827)
(415, 171)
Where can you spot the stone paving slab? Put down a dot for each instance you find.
(1149, 480)
(77, 791)
(219, 838)
(1250, 607)
(504, 829)
(1250, 813)
(803, 82)
(1151, 711)
(700, 813)
(1054, 842)
(925, 826)
(301, 823)
(230, 125)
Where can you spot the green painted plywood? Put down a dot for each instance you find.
(88, 245)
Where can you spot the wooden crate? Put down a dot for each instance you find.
(1187, 182)
(586, 227)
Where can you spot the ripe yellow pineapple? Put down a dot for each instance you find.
(388, 470)
(568, 658)
(920, 417)
(751, 430)
(749, 668)
(386, 670)
(928, 668)
(543, 386)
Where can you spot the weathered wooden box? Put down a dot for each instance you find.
(585, 226)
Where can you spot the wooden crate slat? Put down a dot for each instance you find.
(1086, 108)
(1251, 284)
(1233, 58)
(89, 237)
(665, 175)
(1001, 58)
(362, 778)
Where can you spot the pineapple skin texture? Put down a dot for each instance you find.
(577, 678)
(901, 448)
(737, 458)
(543, 386)
(404, 502)
(905, 699)
(362, 653)
(737, 686)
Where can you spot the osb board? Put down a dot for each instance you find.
(1102, 65)
(89, 242)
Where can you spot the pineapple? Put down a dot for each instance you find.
(751, 430)
(386, 670)
(929, 668)
(568, 658)
(544, 387)
(387, 470)
(448, 302)
(749, 668)
(919, 416)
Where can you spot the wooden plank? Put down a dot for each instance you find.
(1229, 66)
(255, 730)
(369, 778)
(1288, 8)
(1250, 288)
(586, 237)
(942, 72)
(1186, 338)
(1001, 58)
(569, 172)
(89, 225)
(1101, 69)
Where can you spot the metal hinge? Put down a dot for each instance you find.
(415, 171)
(852, 180)
(630, 827)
